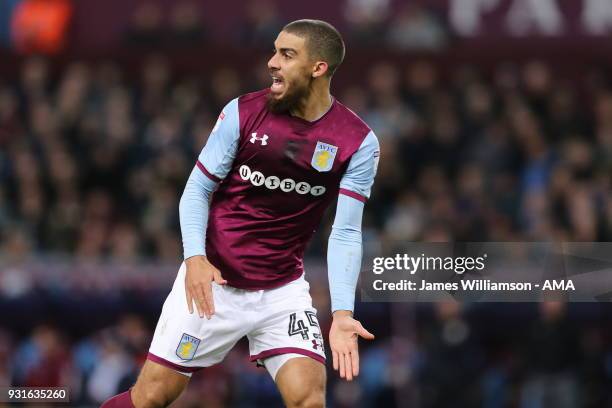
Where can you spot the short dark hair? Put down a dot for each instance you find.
(322, 41)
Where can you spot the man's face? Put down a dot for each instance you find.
(291, 71)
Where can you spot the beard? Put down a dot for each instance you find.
(294, 96)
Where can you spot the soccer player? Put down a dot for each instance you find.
(273, 163)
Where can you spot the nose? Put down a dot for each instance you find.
(273, 63)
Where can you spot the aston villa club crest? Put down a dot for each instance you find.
(323, 156)
(187, 347)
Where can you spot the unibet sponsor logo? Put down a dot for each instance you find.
(272, 182)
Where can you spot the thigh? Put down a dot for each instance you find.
(301, 382)
(157, 385)
(184, 341)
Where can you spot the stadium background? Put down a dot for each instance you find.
(495, 124)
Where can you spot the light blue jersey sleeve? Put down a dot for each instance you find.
(344, 250)
(359, 176)
(214, 162)
(218, 154)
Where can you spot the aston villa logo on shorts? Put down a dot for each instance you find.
(187, 347)
(323, 156)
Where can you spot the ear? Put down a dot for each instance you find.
(320, 69)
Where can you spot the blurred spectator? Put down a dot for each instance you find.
(366, 20)
(34, 81)
(453, 358)
(186, 25)
(150, 27)
(112, 365)
(42, 361)
(415, 28)
(261, 25)
(551, 350)
(146, 27)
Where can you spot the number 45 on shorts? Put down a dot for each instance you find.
(306, 330)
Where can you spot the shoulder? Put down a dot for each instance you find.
(355, 132)
(251, 105)
(370, 142)
(351, 119)
(257, 98)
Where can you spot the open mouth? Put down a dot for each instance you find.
(278, 85)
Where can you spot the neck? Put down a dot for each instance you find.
(315, 105)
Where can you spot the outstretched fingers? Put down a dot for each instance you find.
(362, 332)
(355, 361)
(348, 366)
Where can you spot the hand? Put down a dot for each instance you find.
(198, 277)
(343, 342)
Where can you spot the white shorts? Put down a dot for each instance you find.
(278, 323)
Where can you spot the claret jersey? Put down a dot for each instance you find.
(277, 174)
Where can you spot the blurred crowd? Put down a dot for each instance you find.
(93, 163)
(519, 156)
(366, 23)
